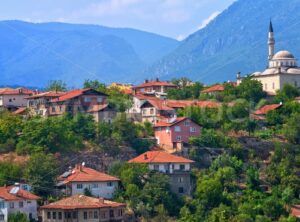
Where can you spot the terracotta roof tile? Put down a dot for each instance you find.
(82, 202)
(97, 108)
(73, 94)
(154, 83)
(215, 88)
(46, 94)
(18, 91)
(159, 157)
(265, 109)
(295, 211)
(20, 110)
(20, 195)
(165, 123)
(85, 174)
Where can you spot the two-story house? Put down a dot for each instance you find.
(157, 88)
(80, 208)
(155, 110)
(176, 167)
(173, 133)
(12, 99)
(81, 178)
(13, 199)
(39, 103)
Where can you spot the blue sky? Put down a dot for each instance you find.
(173, 18)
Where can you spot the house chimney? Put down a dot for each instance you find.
(146, 80)
(157, 79)
(145, 156)
(101, 200)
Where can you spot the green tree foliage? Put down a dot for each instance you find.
(288, 92)
(10, 173)
(186, 89)
(251, 90)
(292, 129)
(41, 172)
(17, 217)
(95, 84)
(56, 85)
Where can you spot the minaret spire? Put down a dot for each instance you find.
(271, 41)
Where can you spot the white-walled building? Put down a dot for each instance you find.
(14, 200)
(12, 99)
(82, 178)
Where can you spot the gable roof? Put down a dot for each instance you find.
(75, 93)
(168, 124)
(159, 157)
(19, 195)
(158, 104)
(265, 109)
(215, 88)
(46, 94)
(20, 110)
(85, 174)
(82, 202)
(154, 83)
(18, 91)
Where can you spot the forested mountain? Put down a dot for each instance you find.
(235, 41)
(33, 54)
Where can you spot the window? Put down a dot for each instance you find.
(12, 205)
(87, 99)
(103, 215)
(177, 129)
(95, 185)
(120, 213)
(187, 123)
(70, 108)
(60, 215)
(1, 217)
(79, 186)
(54, 215)
(182, 167)
(85, 215)
(10, 100)
(74, 214)
(192, 129)
(49, 215)
(180, 190)
(156, 167)
(21, 204)
(178, 138)
(99, 99)
(180, 179)
(151, 111)
(95, 214)
(111, 213)
(109, 184)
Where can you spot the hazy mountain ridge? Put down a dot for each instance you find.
(235, 41)
(36, 53)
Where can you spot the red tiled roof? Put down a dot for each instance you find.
(73, 94)
(20, 195)
(187, 103)
(159, 157)
(295, 211)
(85, 174)
(18, 91)
(46, 94)
(159, 104)
(155, 83)
(97, 108)
(82, 202)
(165, 123)
(215, 88)
(20, 110)
(265, 109)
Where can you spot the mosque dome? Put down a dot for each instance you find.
(283, 55)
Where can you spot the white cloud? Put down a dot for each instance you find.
(206, 21)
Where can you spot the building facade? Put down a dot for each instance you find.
(177, 168)
(81, 178)
(12, 99)
(282, 69)
(172, 134)
(13, 200)
(82, 208)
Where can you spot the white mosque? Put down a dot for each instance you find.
(282, 69)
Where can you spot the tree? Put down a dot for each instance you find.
(56, 85)
(288, 92)
(251, 90)
(186, 89)
(10, 173)
(95, 84)
(292, 129)
(17, 217)
(41, 172)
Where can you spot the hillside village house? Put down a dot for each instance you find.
(155, 88)
(39, 104)
(76, 180)
(261, 113)
(282, 69)
(177, 168)
(13, 199)
(171, 135)
(12, 99)
(80, 208)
